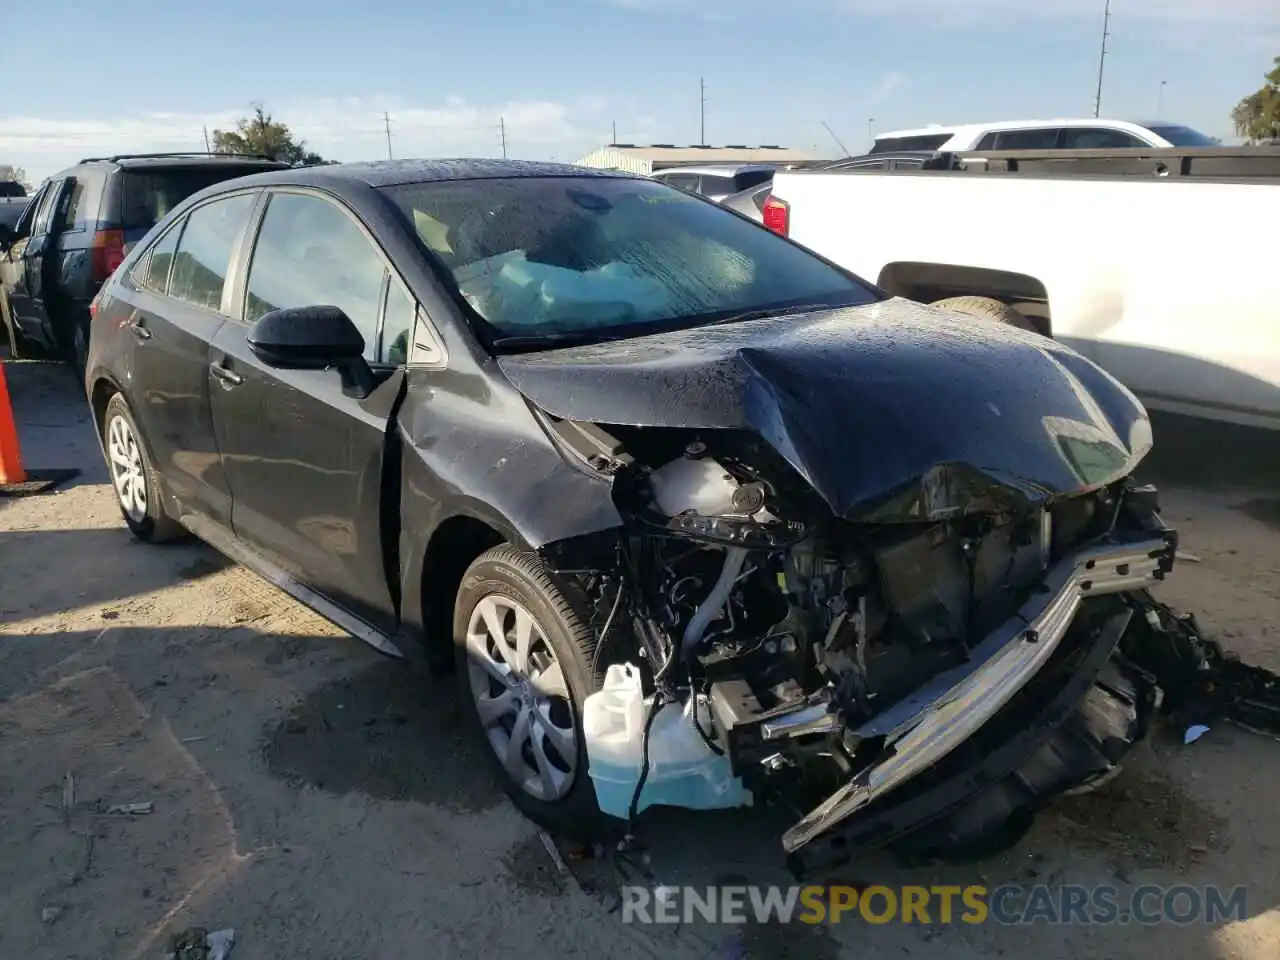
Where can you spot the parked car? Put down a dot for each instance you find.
(716, 181)
(539, 422)
(79, 226)
(1188, 326)
(751, 202)
(1074, 133)
(13, 200)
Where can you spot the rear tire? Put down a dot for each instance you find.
(988, 309)
(134, 477)
(525, 649)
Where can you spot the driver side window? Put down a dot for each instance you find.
(311, 253)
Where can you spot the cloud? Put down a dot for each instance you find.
(342, 128)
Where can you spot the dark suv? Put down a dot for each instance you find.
(79, 226)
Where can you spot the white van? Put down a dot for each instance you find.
(1064, 134)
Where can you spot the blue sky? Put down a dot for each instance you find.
(559, 73)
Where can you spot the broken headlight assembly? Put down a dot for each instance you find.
(838, 666)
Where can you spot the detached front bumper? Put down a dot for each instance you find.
(921, 731)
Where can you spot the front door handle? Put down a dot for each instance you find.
(139, 329)
(229, 378)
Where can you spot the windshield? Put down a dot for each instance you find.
(1181, 136)
(592, 257)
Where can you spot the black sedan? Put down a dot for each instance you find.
(535, 420)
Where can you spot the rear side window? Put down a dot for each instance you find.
(750, 178)
(204, 251)
(1090, 138)
(153, 272)
(683, 181)
(309, 252)
(719, 186)
(1027, 140)
(11, 188)
(147, 195)
(930, 141)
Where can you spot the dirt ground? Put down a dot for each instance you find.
(327, 802)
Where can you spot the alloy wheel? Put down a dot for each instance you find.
(127, 470)
(521, 697)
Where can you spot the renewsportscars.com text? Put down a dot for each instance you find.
(1008, 905)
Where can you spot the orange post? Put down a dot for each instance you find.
(10, 456)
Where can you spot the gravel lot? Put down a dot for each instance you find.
(329, 803)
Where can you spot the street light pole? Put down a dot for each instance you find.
(871, 135)
(1160, 98)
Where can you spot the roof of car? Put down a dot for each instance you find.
(718, 168)
(965, 128)
(128, 160)
(388, 173)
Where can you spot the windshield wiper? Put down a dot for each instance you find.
(536, 341)
(767, 312)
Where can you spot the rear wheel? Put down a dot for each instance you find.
(134, 477)
(988, 309)
(525, 665)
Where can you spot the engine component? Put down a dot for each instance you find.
(702, 487)
(707, 611)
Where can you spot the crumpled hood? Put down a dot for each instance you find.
(892, 411)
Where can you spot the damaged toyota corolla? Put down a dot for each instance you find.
(700, 518)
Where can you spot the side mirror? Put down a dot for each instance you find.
(313, 338)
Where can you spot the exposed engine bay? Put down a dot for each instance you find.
(843, 660)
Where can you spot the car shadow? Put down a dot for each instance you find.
(54, 571)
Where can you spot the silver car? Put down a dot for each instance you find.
(750, 201)
(715, 181)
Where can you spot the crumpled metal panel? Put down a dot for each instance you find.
(892, 411)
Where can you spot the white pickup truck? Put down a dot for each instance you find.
(1162, 267)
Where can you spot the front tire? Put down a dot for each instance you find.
(134, 477)
(525, 652)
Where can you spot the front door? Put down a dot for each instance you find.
(32, 258)
(304, 460)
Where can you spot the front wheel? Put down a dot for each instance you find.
(134, 476)
(525, 665)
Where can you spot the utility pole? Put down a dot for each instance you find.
(386, 123)
(206, 140)
(1160, 98)
(502, 132)
(1102, 58)
(702, 112)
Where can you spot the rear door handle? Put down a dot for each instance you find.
(229, 378)
(139, 329)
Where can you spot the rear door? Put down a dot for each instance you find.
(181, 295)
(304, 460)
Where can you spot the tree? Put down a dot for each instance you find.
(1257, 116)
(263, 135)
(9, 172)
